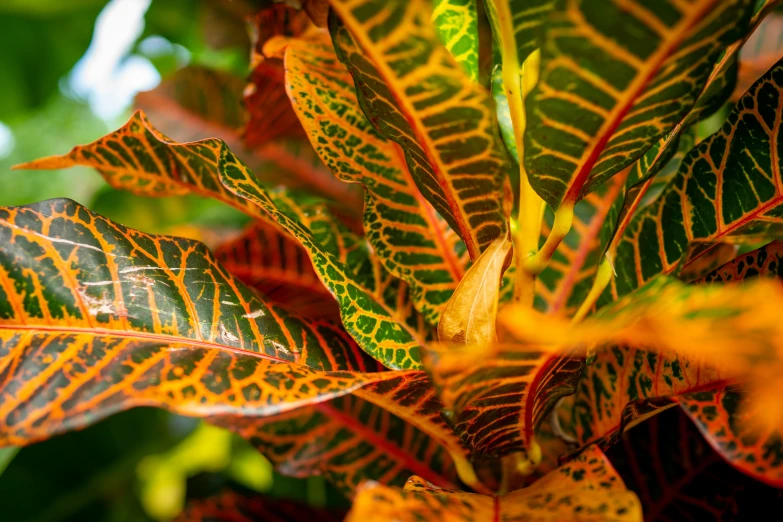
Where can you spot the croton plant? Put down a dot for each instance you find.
(487, 239)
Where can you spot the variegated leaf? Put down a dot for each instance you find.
(444, 123)
(498, 395)
(96, 318)
(347, 441)
(456, 24)
(374, 306)
(615, 78)
(275, 264)
(728, 189)
(406, 233)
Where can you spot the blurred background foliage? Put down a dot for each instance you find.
(70, 72)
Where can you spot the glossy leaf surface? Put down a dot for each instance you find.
(97, 318)
(615, 78)
(444, 123)
(727, 189)
(411, 239)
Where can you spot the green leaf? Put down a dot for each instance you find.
(372, 304)
(616, 79)
(585, 489)
(412, 240)
(456, 24)
(727, 189)
(96, 318)
(444, 122)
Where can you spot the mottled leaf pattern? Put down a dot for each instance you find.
(498, 395)
(456, 24)
(371, 304)
(347, 441)
(615, 78)
(727, 425)
(586, 489)
(766, 261)
(425, 103)
(95, 318)
(625, 385)
(414, 243)
(728, 188)
(196, 103)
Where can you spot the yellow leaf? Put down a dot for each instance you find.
(469, 316)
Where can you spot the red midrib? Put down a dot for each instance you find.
(106, 332)
(572, 194)
(529, 400)
(386, 447)
(448, 254)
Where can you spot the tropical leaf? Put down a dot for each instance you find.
(731, 429)
(678, 476)
(97, 318)
(586, 489)
(626, 385)
(469, 317)
(275, 264)
(234, 506)
(651, 173)
(728, 189)
(444, 123)
(496, 396)
(456, 24)
(270, 116)
(146, 162)
(140, 159)
(347, 441)
(734, 328)
(372, 304)
(413, 242)
(766, 261)
(614, 80)
(196, 103)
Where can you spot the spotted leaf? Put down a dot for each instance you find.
(456, 24)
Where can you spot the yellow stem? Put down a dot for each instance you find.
(467, 474)
(602, 278)
(516, 89)
(564, 218)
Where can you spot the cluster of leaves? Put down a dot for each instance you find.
(537, 265)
